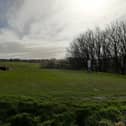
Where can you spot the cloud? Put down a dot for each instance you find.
(44, 28)
(16, 49)
(45, 52)
(11, 47)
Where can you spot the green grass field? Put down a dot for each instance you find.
(32, 96)
(25, 79)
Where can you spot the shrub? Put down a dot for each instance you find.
(23, 119)
(111, 113)
(6, 110)
(82, 115)
(105, 122)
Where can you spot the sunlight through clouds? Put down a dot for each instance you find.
(53, 23)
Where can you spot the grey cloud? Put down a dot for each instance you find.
(46, 52)
(51, 24)
(29, 13)
(7, 9)
(11, 47)
(18, 50)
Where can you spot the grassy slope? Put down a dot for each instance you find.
(29, 80)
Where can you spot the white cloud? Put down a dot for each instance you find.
(7, 35)
(50, 25)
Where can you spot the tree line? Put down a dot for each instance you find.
(105, 48)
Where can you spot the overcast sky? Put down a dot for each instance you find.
(45, 28)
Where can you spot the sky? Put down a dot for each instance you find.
(42, 29)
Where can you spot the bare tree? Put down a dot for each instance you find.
(102, 47)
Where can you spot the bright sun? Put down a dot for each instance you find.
(90, 6)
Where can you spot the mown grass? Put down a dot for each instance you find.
(28, 79)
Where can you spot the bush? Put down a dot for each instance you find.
(111, 113)
(6, 110)
(47, 123)
(105, 122)
(30, 113)
(82, 116)
(23, 119)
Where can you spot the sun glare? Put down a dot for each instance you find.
(90, 6)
